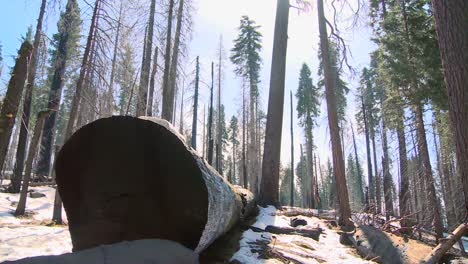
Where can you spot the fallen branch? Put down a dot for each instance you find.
(446, 244)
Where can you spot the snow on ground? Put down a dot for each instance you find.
(29, 236)
(302, 249)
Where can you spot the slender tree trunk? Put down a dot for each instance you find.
(21, 208)
(358, 168)
(370, 178)
(378, 182)
(451, 23)
(110, 92)
(271, 152)
(404, 182)
(175, 56)
(85, 64)
(338, 161)
(167, 102)
(427, 171)
(11, 102)
(309, 154)
(387, 183)
(219, 140)
(244, 165)
(152, 83)
(145, 71)
(292, 150)
(204, 132)
(23, 136)
(210, 120)
(195, 109)
(57, 212)
(181, 125)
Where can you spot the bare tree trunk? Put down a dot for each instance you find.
(451, 23)
(310, 167)
(11, 102)
(370, 178)
(149, 109)
(167, 102)
(181, 125)
(292, 150)
(271, 155)
(244, 165)
(210, 120)
(219, 142)
(444, 246)
(145, 71)
(195, 109)
(175, 57)
(427, 171)
(110, 92)
(23, 136)
(21, 208)
(85, 64)
(378, 182)
(57, 212)
(338, 161)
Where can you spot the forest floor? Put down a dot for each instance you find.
(35, 235)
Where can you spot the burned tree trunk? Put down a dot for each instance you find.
(12, 99)
(172, 193)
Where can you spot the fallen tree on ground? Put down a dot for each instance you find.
(124, 178)
(446, 244)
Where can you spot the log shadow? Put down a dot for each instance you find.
(381, 245)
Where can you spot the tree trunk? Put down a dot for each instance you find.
(378, 182)
(219, 140)
(451, 23)
(12, 100)
(110, 91)
(167, 102)
(210, 120)
(85, 64)
(195, 108)
(181, 124)
(370, 178)
(175, 57)
(57, 212)
(330, 83)
(23, 136)
(272, 150)
(244, 162)
(168, 189)
(152, 83)
(292, 151)
(387, 183)
(145, 71)
(309, 148)
(427, 171)
(21, 208)
(404, 182)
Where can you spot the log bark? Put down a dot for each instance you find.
(311, 233)
(444, 246)
(125, 178)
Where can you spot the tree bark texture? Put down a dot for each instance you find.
(330, 83)
(172, 193)
(12, 99)
(451, 26)
(167, 103)
(269, 185)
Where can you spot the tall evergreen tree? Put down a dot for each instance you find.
(246, 58)
(308, 109)
(66, 46)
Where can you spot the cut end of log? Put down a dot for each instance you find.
(124, 178)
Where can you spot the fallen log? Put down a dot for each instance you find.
(446, 244)
(125, 178)
(139, 251)
(311, 233)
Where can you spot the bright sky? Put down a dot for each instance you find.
(221, 17)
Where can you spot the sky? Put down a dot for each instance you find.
(215, 18)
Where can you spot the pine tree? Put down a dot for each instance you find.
(233, 135)
(246, 58)
(308, 109)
